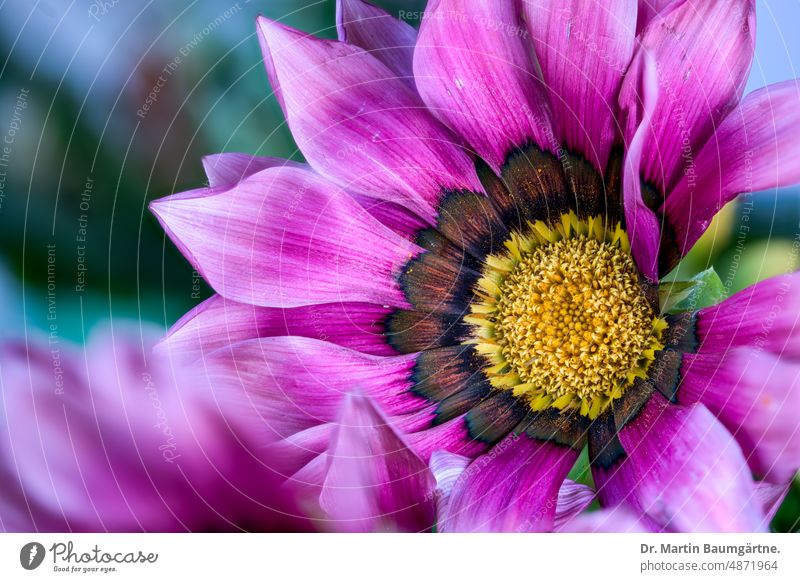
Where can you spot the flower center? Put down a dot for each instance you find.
(562, 317)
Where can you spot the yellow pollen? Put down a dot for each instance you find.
(562, 318)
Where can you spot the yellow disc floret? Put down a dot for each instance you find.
(562, 318)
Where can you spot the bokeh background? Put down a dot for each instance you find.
(84, 150)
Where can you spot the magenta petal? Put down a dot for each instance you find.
(703, 52)
(644, 230)
(374, 482)
(272, 74)
(397, 217)
(361, 126)
(306, 486)
(388, 39)
(218, 322)
(446, 468)
(584, 47)
(475, 71)
(116, 439)
(619, 519)
(451, 436)
(573, 498)
(229, 169)
(764, 315)
(514, 488)
(684, 472)
(295, 454)
(648, 10)
(771, 497)
(297, 450)
(297, 382)
(284, 238)
(756, 395)
(754, 148)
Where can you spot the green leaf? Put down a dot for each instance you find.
(702, 290)
(581, 472)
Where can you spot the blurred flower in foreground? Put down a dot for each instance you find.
(115, 439)
(475, 246)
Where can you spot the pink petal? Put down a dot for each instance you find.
(451, 436)
(294, 455)
(644, 229)
(771, 497)
(514, 488)
(397, 217)
(648, 9)
(374, 482)
(446, 468)
(573, 498)
(684, 472)
(285, 238)
(296, 382)
(584, 47)
(703, 52)
(754, 148)
(617, 519)
(229, 169)
(108, 437)
(297, 450)
(475, 71)
(218, 322)
(360, 125)
(756, 395)
(388, 39)
(765, 315)
(306, 486)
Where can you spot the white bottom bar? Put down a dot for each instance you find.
(380, 558)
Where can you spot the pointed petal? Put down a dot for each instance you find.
(119, 440)
(361, 126)
(446, 468)
(397, 217)
(754, 148)
(229, 169)
(296, 383)
(297, 450)
(617, 519)
(756, 395)
(452, 436)
(272, 74)
(684, 472)
(512, 489)
(388, 39)
(218, 322)
(374, 482)
(284, 238)
(573, 498)
(765, 315)
(643, 226)
(703, 52)
(771, 497)
(648, 9)
(474, 70)
(583, 78)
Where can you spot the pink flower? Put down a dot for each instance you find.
(112, 438)
(469, 265)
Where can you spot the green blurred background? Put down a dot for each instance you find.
(78, 243)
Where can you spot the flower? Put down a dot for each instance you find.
(464, 280)
(112, 438)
